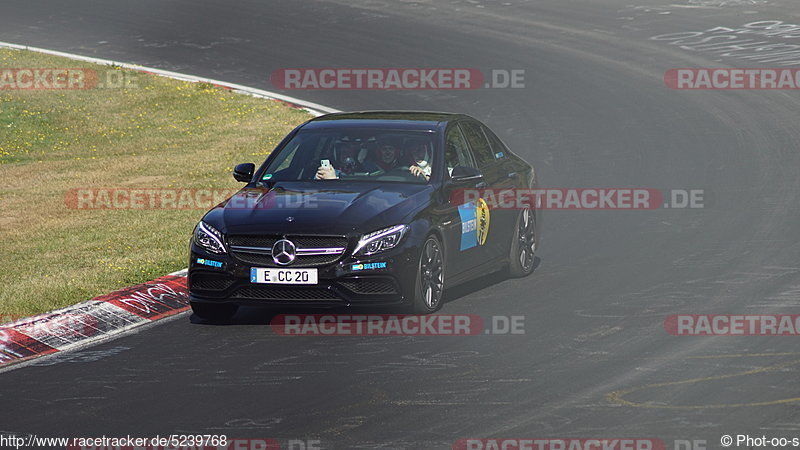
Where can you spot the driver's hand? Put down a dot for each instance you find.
(326, 173)
(417, 171)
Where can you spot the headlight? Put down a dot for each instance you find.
(209, 238)
(380, 240)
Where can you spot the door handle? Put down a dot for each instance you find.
(481, 185)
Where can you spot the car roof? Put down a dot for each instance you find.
(410, 120)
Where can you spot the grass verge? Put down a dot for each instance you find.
(125, 129)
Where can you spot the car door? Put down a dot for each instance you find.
(461, 225)
(500, 219)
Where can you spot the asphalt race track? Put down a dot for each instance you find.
(595, 359)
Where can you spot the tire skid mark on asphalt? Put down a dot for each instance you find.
(418, 361)
(81, 357)
(250, 424)
(598, 332)
(618, 397)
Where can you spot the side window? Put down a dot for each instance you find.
(500, 150)
(456, 152)
(477, 141)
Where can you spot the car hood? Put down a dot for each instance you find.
(319, 207)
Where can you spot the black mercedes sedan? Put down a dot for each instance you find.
(365, 209)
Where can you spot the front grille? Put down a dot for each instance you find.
(299, 241)
(370, 286)
(256, 260)
(210, 283)
(265, 243)
(318, 241)
(301, 261)
(282, 293)
(253, 241)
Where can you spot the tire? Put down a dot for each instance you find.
(214, 312)
(523, 245)
(429, 284)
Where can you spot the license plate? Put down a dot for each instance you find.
(283, 276)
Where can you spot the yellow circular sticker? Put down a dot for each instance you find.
(482, 216)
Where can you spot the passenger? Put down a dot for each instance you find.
(420, 159)
(345, 162)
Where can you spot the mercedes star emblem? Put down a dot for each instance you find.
(284, 252)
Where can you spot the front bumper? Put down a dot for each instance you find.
(346, 282)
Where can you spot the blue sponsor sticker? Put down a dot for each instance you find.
(475, 218)
(368, 266)
(469, 225)
(209, 262)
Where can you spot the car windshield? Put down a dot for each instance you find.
(383, 155)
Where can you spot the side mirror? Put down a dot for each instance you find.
(462, 174)
(244, 172)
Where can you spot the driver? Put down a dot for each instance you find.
(346, 162)
(387, 157)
